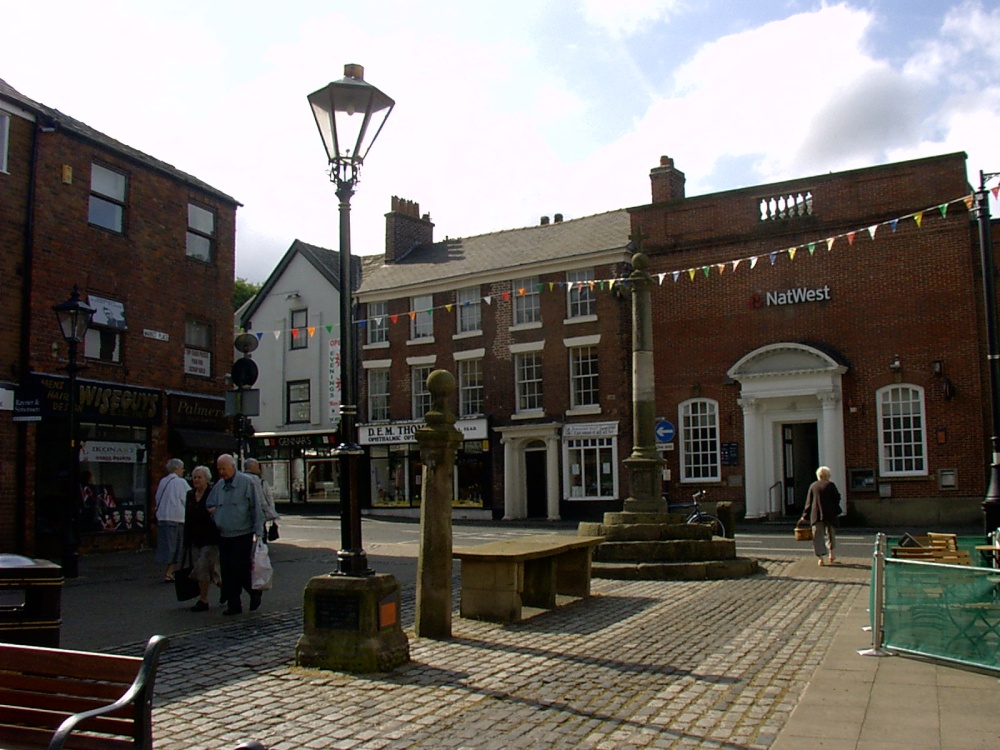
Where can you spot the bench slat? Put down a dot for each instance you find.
(50, 720)
(14, 682)
(41, 660)
(65, 704)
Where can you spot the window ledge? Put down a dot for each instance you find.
(466, 335)
(530, 414)
(417, 342)
(525, 326)
(377, 345)
(581, 411)
(580, 319)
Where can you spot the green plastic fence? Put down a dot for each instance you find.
(949, 612)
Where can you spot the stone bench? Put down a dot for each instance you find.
(500, 578)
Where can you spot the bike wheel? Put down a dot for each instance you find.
(718, 529)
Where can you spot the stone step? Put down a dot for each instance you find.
(645, 532)
(624, 517)
(678, 550)
(708, 570)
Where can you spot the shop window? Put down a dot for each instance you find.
(378, 395)
(583, 382)
(107, 198)
(4, 140)
(299, 407)
(421, 396)
(590, 465)
(470, 387)
(699, 420)
(200, 233)
(527, 301)
(580, 293)
(197, 348)
(421, 317)
(103, 341)
(378, 322)
(902, 435)
(470, 314)
(300, 330)
(528, 381)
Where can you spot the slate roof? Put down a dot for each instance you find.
(498, 254)
(53, 117)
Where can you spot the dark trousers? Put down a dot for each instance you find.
(234, 561)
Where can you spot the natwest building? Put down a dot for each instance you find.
(539, 347)
(835, 319)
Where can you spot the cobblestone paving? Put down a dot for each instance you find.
(641, 664)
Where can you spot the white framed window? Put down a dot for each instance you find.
(699, 421)
(418, 385)
(583, 381)
(527, 301)
(528, 381)
(299, 404)
(421, 317)
(4, 140)
(197, 348)
(580, 302)
(200, 233)
(470, 387)
(590, 468)
(378, 322)
(470, 314)
(107, 198)
(300, 329)
(902, 432)
(378, 395)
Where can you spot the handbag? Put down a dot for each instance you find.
(272, 532)
(185, 586)
(803, 532)
(260, 568)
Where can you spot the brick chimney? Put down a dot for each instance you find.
(405, 229)
(667, 182)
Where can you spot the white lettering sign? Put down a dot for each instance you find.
(406, 432)
(796, 296)
(590, 429)
(100, 452)
(197, 362)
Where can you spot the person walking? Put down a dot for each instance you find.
(236, 511)
(264, 494)
(171, 494)
(821, 511)
(201, 537)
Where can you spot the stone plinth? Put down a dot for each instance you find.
(352, 624)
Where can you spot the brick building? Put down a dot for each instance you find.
(151, 249)
(540, 351)
(835, 320)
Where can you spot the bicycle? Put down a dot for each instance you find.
(698, 515)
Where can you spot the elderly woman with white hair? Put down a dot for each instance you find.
(171, 494)
(821, 511)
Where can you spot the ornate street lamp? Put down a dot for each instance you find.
(74, 319)
(350, 114)
(991, 503)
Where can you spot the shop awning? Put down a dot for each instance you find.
(201, 440)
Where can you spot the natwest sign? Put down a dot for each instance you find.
(791, 296)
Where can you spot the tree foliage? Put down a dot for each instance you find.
(242, 291)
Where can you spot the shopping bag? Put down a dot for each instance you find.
(803, 533)
(185, 586)
(272, 532)
(261, 570)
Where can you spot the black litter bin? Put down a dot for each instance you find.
(30, 601)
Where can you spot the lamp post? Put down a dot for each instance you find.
(74, 318)
(991, 503)
(350, 114)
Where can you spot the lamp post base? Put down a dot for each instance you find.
(991, 505)
(352, 624)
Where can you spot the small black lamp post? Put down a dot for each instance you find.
(74, 318)
(350, 114)
(991, 503)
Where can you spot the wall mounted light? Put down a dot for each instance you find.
(938, 367)
(895, 365)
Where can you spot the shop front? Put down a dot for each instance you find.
(110, 507)
(198, 431)
(396, 471)
(300, 466)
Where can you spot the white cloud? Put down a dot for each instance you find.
(621, 18)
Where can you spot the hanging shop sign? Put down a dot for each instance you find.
(42, 396)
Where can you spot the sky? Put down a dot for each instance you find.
(507, 112)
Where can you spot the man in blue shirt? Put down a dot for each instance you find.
(235, 510)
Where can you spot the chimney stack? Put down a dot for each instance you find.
(406, 229)
(667, 182)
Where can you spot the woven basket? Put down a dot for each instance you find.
(803, 534)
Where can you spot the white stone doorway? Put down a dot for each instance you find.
(784, 389)
(530, 459)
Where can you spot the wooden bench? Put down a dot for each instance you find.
(500, 578)
(55, 698)
(933, 554)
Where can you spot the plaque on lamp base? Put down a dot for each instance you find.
(351, 624)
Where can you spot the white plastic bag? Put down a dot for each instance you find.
(261, 570)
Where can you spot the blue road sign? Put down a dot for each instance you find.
(664, 431)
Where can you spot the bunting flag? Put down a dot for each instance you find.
(601, 284)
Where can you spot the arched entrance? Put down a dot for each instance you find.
(531, 470)
(793, 421)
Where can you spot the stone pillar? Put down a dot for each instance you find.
(552, 477)
(511, 479)
(756, 492)
(439, 442)
(644, 465)
(831, 438)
